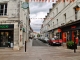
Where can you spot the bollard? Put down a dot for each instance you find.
(25, 46)
(74, 46)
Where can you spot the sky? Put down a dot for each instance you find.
(38, 11)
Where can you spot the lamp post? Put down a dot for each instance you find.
(25, 5)
(76, 8)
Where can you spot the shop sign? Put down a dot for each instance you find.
(6, 26)
(59, 30)
(73, 27)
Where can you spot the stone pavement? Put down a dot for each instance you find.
(40, 53)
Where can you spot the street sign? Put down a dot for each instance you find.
(25, 5)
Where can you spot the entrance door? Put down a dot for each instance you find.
(64, 36)
(79, 37)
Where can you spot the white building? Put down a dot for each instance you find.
(34, 34)
(64, 20)
(14, 23)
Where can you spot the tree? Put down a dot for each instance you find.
(38, 35)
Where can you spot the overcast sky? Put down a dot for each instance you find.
(38, 10)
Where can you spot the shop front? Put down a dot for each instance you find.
(71, 32)
(6, 35)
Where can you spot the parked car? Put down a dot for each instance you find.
(54, 41)
(41, 38)
(46, 39)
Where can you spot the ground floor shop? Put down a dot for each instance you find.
(6, 35)
(11, 36)
(71, 32)
(6, 38)
(68, 32)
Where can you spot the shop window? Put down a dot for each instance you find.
(2, 33)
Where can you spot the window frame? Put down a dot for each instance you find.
(4, 9)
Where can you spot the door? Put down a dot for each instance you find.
(79, 38)
(64, 37)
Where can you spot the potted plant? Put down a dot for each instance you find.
(70, 45)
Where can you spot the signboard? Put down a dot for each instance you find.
(25, 5)
(59, 30)
(6, 26)
(73, 27)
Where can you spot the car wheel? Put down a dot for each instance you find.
(49, 44)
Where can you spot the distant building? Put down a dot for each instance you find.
(34, 34)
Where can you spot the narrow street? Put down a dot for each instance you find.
(37, 42)
(39, 53)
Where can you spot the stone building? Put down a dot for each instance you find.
(64, 20)
(14, 24)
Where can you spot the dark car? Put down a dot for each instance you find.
(53, 41)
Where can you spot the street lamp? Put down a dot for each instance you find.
(25, 5)
(76, 8)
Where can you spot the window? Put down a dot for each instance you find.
(56, 10)
(53, 24)
(3, 9)
(53, 14)
(65, 17)
(64, 3)
(57, 21)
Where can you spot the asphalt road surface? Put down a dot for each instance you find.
(37, 42)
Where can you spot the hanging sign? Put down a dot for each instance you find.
(25, 5)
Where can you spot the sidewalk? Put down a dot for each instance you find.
(40, 53)
(28, 45)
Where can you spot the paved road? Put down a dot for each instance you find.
(38, 43)
(39, 53)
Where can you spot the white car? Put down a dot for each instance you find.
(42, 38)
(46, 39)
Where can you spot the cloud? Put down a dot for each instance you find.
(37, 13)
(39, 7)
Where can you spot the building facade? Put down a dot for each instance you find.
(65, 20)
(14, 23)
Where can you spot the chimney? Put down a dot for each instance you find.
(50, 10)
(53, 4)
